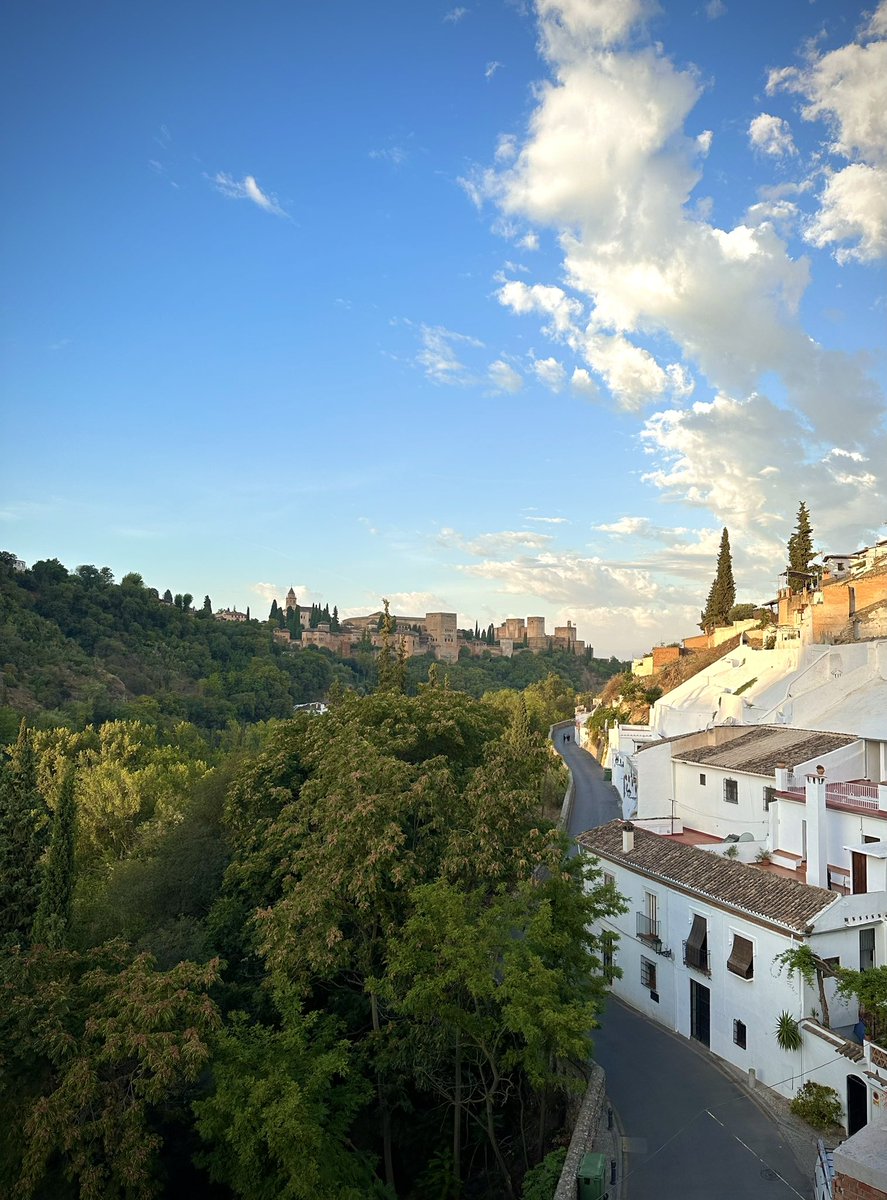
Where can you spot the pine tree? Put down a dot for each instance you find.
(24, 832)
(54, 911)
(722, 595)
(334, 620)
(272, 615)
(800, 551)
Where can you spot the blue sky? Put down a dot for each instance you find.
(499, 308)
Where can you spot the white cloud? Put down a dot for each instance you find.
(247, 189)
(771, 135)
(504, 378)
(550, 372)
(506, 147)
(715, 9)
(632, 526)
(530, 241)
(853, 209)
(438, 357)
(491, 69)
(847, 89)
(495, 545)
(549, 520)
(455, 15)
(582, 382)
(396, 155)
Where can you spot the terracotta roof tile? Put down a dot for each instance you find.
(748, 889)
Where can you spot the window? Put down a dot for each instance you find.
(609, 880)
(701, 779)
(739, 1034)
(866, 949)
(742, 958)
(731, 791)
(769, 797)
(696, 945)
(648, 974)
(608, 955)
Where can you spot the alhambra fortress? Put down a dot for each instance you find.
(435, 633)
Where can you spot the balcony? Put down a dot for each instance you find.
(697, 957)
(648, 929)
(855, 794)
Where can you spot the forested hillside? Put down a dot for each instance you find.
(77, 648)
(317, 961)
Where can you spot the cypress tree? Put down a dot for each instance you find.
(54, 910)
(334, 620)
(800, 551)
(207, 606)
(24, 833)
(272, 615)
(722, 595)
(383, 663)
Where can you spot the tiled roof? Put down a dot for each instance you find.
(748, 889)
(764, 747)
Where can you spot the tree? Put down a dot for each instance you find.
(334, 620)
(24, 832)
(800, 551)
(96, 1047)
(167, 597)
(187, 599)
(384, 662)
(54, 910)
(722, 595)
(207, 606)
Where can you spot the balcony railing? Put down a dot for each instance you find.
(849, 795)
(648, 929)
(697, 958)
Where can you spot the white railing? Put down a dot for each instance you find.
(852, 795)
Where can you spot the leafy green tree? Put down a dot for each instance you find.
(96, 1045)
(167, 597)
(207, 606)
(24, 833)
(57, 889)
(722, 595)
(800, 551)
(278, 1119)
(384, 663)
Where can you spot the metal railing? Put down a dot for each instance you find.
(648, 929)
(849, 795)
(697, 958)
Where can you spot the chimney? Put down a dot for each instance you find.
(782, 773)
(817, 850)
(627, 837)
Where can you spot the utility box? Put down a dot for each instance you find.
(592, 1177)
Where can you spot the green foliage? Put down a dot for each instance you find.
(95, 1045)
(24, 834)
(788, 1032)
(278, 1118)
(800, 551)
(540, 1182)
(57, 887)
(722, 595)
(741, 612)
(818, 1105)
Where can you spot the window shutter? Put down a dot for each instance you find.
(742, 958)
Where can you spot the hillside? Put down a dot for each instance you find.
(78, 648)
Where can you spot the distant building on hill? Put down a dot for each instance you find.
(230, 614)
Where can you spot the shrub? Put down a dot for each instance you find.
(541, 1181)
(818, 1105)
(788, 1033)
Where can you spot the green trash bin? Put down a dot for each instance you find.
(592, 1177)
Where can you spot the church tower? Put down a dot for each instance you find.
(290, 600)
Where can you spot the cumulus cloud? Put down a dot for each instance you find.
(247, 189)
(550, 372)
(656, 297)
(847, 90)
(771, 135)
(494, 545)
(504, 378)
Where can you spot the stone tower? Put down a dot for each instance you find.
(290, 600)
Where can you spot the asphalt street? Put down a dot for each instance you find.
(689, 1130)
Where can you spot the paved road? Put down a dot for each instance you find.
(690, 1131)
(595, 801)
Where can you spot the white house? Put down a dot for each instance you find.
(697, 946)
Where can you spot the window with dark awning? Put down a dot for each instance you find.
(742, 957)
(698, 934)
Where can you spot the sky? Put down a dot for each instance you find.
(500, 308)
